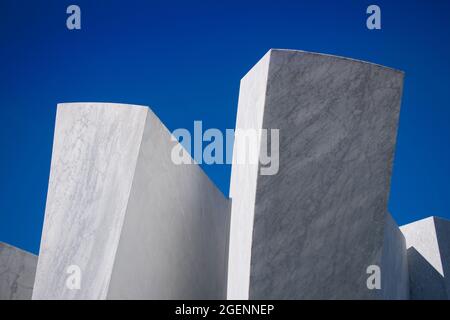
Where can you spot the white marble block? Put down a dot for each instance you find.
(311, 230)
(122, 215)
(428, 251)
(17, 271)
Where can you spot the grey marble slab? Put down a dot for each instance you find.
(17, 272)
(311, 230)
(136, 225)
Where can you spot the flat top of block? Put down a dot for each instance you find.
(4, 244)
(80, 104)
(150, 111)
(426, 218)
(335, 56)
(441, 219)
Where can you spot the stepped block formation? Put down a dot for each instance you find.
(428, 242)
(312, 229)
(137, 226)
(17, 271)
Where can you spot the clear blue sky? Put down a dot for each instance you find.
(185, 60)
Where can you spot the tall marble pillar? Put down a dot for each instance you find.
(17, 271)
(122, 221)
(312, 229)
(428, 251)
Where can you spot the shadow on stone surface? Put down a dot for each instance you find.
(425, 282)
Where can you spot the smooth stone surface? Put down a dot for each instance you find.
(174, 242)
(138, 226)
(243, 181)
(311, 231)
(17, 271)
(394, 264)
(428, 251)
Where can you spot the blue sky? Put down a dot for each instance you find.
(185, 59)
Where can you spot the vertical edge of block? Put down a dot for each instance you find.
(252, 97)
(394, 264)
(443, 238)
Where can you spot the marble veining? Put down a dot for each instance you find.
(137, 225)
(321, 220)
(95, 151)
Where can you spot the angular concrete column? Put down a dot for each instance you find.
(312, 229)
(122, 215)
(428, 245)
(394, 264)
(17, 271)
